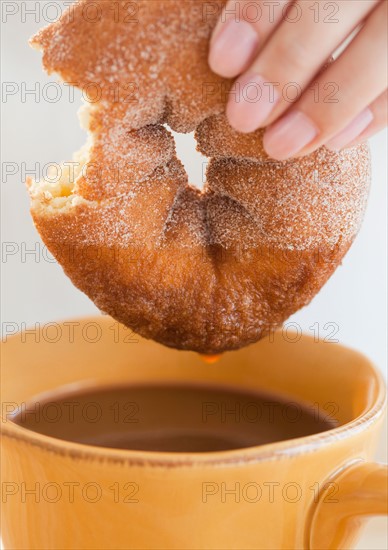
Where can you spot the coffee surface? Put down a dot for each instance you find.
(171, 418)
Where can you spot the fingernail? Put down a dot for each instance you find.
(251, 100)
(352, 130)
(233, 48)
(289, 135)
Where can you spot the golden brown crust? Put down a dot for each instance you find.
(207, 271)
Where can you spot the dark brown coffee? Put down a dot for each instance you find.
(175, 418)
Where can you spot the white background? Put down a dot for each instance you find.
(36, 130)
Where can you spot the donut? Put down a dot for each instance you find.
(205, 270)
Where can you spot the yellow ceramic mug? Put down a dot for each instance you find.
(304, 493)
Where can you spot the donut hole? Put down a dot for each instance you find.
(194, 162)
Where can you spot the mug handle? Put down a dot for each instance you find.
(360, 490)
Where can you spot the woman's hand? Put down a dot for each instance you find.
(277, 51)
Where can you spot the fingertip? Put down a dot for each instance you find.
(250, 103)
(288, 137)
(272, 150)
(233, 48)
(221, 66)
(240, 125)
(351, 132)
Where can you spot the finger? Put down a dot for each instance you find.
(289, 61)
(242, 29)
(379, 109)
(360, 76)
(351, 131)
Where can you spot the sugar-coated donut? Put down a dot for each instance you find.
(209, 270)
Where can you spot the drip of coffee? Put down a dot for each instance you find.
(171, 418)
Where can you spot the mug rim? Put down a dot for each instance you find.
(259, 453)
